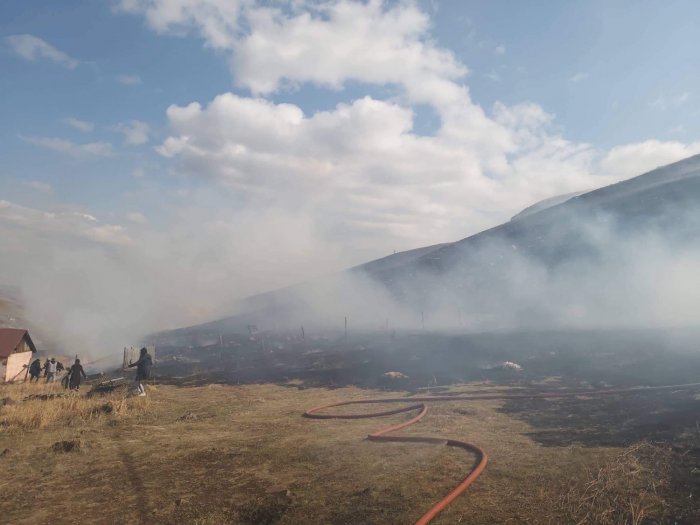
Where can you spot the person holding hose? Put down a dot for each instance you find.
(143, 370)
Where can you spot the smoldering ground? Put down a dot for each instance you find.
(91, 297)
(570, 266)
(578, 271)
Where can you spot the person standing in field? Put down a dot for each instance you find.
(51, 371)
(75, 372)
(35, 370)
(143, 370)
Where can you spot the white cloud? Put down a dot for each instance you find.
(500, 50)
(31, 47)
(80, 125)
(129, 80)
(137, 217)
(634, 159)
(44, 187)
(108, 233)
(578, 77)
(69, 224)
(135, 132)
(664, 102)
(351, 166)
(331, 43)
(326, 43)
(216, 20)
(90, 149)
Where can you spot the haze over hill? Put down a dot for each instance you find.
(622, 255)
(225, 149)
(483, 214)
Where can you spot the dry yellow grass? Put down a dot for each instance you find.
(244, 455)
(625, 489)
(73, 409)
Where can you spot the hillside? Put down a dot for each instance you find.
(489, 277)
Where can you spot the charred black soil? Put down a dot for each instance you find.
(578, 358)
(666, 421)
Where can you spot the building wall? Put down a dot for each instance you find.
(23, 346)
(16, 367)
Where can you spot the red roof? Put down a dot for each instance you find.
(10, 338)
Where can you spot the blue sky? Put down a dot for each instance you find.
(628, 55)
(40, 95)
(208, 132)
(611, 72)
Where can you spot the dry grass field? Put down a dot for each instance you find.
(243, 454)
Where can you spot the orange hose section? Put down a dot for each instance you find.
(420, 403)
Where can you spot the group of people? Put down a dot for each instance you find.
(51, 368)
(76, 374)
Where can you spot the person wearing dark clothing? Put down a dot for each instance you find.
(35, 370)
(75, 373)
(143, 370)
(45, 368)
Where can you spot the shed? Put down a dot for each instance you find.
(16, 349)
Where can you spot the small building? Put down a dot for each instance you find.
(16, 350)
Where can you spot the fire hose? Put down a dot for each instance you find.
(419, 403)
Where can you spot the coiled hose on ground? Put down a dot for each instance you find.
(419, 403)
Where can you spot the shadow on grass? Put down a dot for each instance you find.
(135, 481)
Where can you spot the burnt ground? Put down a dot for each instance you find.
(580, 359)
(241, 454)
(577, 358)
(616, 421)
(667, 419)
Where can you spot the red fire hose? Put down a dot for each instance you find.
(419, 403)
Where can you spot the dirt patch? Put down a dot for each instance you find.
(45, 397)
(7, 401)
(116, 386)
(66, 446)
(188, 416)
(267, 510)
